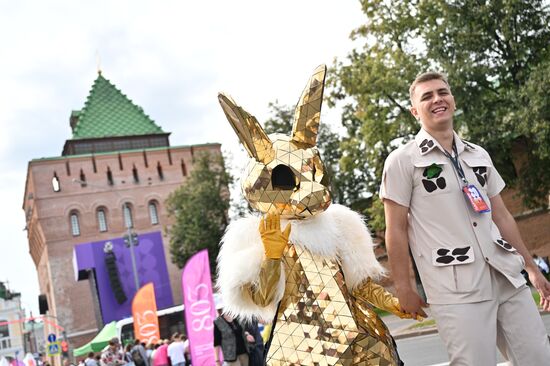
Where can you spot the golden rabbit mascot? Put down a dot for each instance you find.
(314, 278)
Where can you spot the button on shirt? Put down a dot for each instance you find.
(452, 245)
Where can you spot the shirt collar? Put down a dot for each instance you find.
(427, 143)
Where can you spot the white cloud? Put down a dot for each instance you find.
(170, 57)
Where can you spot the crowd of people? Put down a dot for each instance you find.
(249, 350)
(240, 343)
(167, 352)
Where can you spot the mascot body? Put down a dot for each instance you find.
(314, 280)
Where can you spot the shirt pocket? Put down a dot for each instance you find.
(478, 172)
(432, 178)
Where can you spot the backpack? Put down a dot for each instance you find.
(136, 356)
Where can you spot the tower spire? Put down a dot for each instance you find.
(98, 62)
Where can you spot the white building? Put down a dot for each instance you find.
(11, 323)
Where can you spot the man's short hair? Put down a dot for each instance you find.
(427, 76)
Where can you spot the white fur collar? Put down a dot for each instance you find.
(337, 234)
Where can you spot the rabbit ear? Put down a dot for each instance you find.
(308, 110)
(248, 129)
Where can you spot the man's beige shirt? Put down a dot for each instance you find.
(452, 245)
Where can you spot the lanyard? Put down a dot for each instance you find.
(456, 164)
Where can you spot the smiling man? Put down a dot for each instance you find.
(442, 200)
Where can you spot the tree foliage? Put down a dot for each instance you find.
(496, 54)
(199, 208)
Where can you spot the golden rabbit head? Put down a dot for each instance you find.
(285, 174)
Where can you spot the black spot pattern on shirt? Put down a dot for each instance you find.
(430, 185)
(426, 145)
(481, 174)
(448, 257)
(504, 245)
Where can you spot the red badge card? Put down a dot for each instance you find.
(476, 200)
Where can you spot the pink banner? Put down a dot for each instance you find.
(200, 310)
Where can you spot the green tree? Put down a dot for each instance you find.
(496, 55)
(199, 207)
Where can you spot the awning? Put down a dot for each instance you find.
(99, 342)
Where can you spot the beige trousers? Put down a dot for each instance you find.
(471, 332)
(242, 360)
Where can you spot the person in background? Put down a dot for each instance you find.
(187, 351)
(90, 360)
(176, 351)
(255, 344)
(139, 355)
(128, 355)
(149, 349)
(231, 338)
(160, 357)
(541, 263)
(113, 355)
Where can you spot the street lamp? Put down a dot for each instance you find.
(130, 239)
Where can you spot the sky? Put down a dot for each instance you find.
(170, 57)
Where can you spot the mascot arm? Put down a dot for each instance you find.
(264, 291)
(379, 297)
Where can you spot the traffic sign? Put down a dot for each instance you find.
(51, 337)
(54, 349)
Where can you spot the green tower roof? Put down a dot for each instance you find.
(109, 113)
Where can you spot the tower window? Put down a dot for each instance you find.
(102, 220)
(153, 213)
(82, 178)
(110, 177)
(145, 159)
(55, 183)
(159, 171)
(75, 224)
(183, 168)
(135, 174)
(128, 220)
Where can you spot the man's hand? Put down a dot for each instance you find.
(411, 303)
(249, 337)
(273, 239)
(542, 285)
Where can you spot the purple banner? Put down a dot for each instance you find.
(200, 310)
(151, 267)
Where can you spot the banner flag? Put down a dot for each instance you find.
(144, 311)
(200, 311)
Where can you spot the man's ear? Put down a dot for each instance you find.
(414, 112)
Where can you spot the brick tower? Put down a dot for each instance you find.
(116, 171)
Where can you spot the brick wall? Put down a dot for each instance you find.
(48, 218)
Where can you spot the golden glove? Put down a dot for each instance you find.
(263, 292)
(382, 299)
(273, 239)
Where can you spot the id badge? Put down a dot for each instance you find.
(476, 200)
